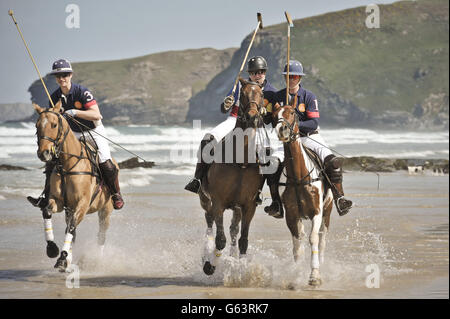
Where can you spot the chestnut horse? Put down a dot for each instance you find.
(73, 185)
(305, 195)
(233, 185)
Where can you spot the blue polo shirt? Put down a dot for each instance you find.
(268, 91)
(307, 108)
(79, 98)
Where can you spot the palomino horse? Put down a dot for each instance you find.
(305, 195)
(73, 186)
(233, 185)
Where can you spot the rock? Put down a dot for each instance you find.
(134, 162)
(6, 167)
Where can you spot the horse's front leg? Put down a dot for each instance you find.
(208, 248)
(328, 206)
(314, 278)
(52, 248)
(234, 230)
(65, 258)
(247, 216)
(73, 218)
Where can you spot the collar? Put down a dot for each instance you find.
(299, 90)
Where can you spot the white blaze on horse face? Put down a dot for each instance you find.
(44, 123)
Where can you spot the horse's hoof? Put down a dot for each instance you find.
(291, 286)
(315, 282)
(61, 263)
(208, 269)
(52, 249)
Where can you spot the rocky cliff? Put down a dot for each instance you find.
(393, 77)
(396, 76)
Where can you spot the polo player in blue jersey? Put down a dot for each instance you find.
(307, 108)
(256, 69)
(79, 103)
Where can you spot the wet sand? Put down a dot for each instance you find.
(154, 245)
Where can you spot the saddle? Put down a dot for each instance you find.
(92, 156)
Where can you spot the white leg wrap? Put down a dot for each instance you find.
(209, 245)
(315, 257)
(48, 227)
(67, 242)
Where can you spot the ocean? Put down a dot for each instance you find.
(153, 247)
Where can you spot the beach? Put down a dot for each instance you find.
(154, 244)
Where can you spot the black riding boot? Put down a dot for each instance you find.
(201, 169)
(110, 175)
(276, 208)
(333, 168)
(42, 201)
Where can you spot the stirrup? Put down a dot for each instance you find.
(343, 211)
(193, 186)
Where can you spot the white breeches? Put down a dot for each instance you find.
(104, 153)
(316, 143)
(262, 139)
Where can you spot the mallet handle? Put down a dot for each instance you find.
(11, 13)
(259, 26)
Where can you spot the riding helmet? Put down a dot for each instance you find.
(61, 66)
(256, 63)
(295, 68)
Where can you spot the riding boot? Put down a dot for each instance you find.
(42, 200)
(110, 175)
(201, 168)
(276, 208)
(333, 169)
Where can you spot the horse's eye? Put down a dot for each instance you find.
(53, 125)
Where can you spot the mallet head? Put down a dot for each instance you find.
(289, 19)
(259, 17)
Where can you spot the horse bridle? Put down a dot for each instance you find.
(292, 136)
(259, 107)
(57, 144)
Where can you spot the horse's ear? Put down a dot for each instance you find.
(57, 106)
(37, 108)
(243, 82)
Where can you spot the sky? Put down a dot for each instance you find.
(112, 30)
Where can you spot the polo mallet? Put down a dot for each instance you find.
(229, 100)
(289, 26)
(11, 13)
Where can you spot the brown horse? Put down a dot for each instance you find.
(73, 185)
(305, 195)
(233, 185)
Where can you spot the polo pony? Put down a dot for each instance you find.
(74, 183)
(303, 192)
(233, 184)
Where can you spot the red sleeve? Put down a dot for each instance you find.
(90, 103)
